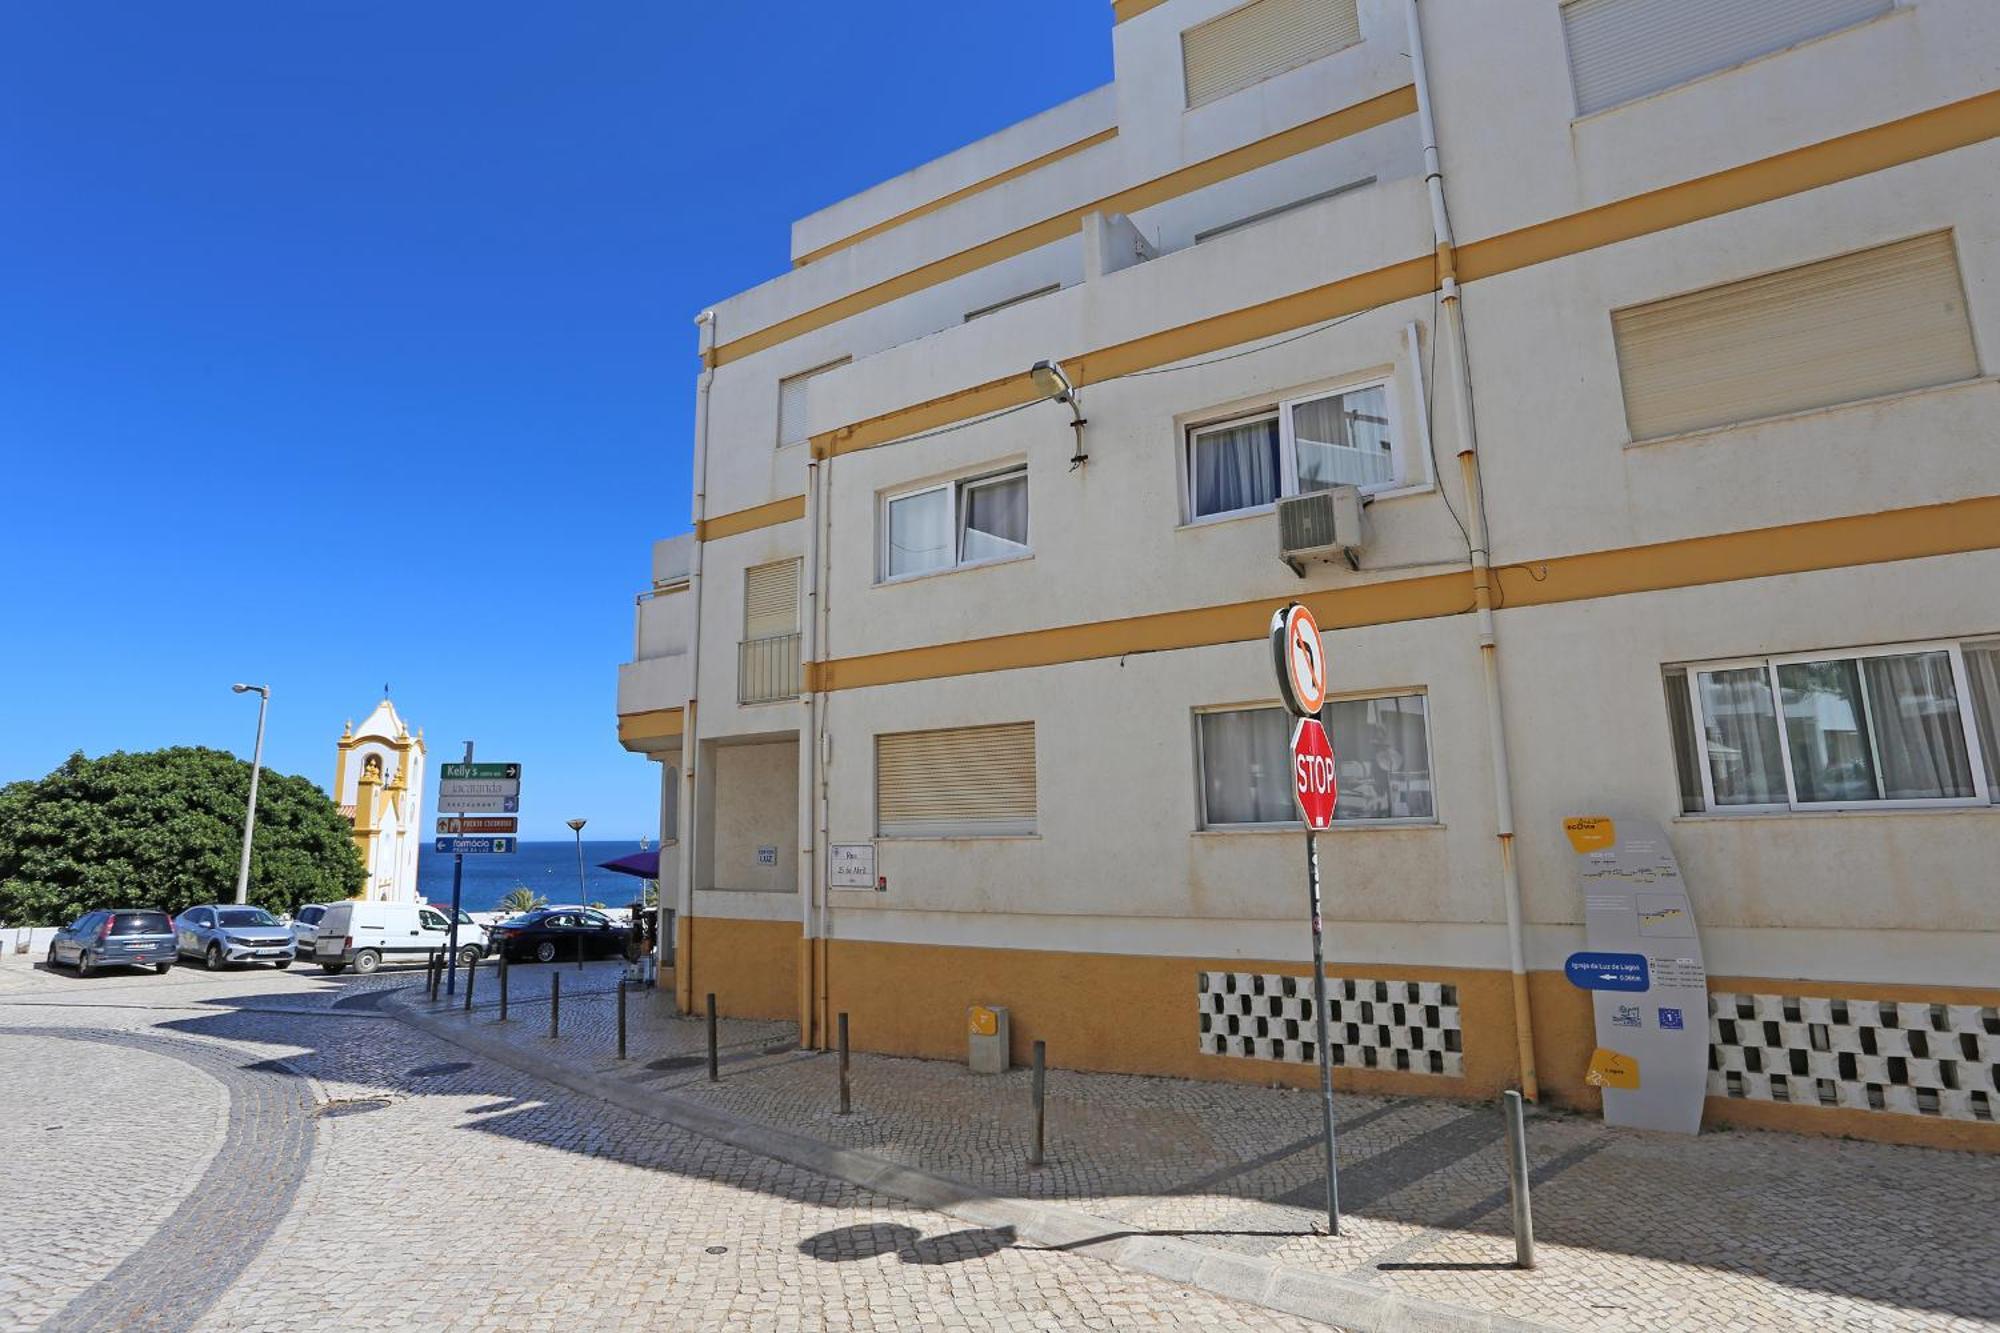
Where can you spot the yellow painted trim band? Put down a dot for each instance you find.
(1911, 139)
(1861, 539)
(965, 192)
(791, 508)
(1122, 10)
(1287, 143)
(658, 724)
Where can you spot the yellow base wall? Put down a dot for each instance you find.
(1135, 1014)
(751, 966)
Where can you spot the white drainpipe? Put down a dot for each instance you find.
(690, 718)
(1457, 370)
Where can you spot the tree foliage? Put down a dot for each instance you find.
(164, 828)
(521, 899)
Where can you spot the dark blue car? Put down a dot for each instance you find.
(116, 937)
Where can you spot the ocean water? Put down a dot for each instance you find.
(549, 868)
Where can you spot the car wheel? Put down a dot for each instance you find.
(468, 956)
(545, 952)
(212, 960)
(84, 966)
(333, 969)
(366, 961)
(53, 964)
(282, 963)
(163, 968)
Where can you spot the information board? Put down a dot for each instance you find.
(851, 865)
(1644, 970)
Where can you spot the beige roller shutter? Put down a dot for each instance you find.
(1620, 50)
(771, 600)
(1879, 321)
(1262, 38)
(969, 781)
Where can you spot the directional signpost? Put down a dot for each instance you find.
(1301, 661)
(469, 789)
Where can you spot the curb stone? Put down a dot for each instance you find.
(1340, 1302)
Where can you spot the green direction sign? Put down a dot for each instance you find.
(463, 771)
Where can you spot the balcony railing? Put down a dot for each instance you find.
(767, 670)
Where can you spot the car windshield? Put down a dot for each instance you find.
(140, 923)
(244, 916)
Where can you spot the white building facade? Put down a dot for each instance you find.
(378, 782)
(1669, 399)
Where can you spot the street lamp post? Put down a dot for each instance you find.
(576, 827)
(250, 809)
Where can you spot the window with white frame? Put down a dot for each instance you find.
(1909, 725)
(1381, 748)
(967, 521)
(1343, 438)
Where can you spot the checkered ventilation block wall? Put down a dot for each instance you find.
(1406, 1025)
(1865, 1055)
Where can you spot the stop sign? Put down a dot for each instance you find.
(1312, 773)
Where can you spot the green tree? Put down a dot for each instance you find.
(521, 899)
(164, 828)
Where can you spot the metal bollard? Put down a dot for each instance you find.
(714, 1073)
(1517, 1180)
(621, 1019)
(846, 1101)
(431, 974)
(555, 1000)
(1041, 1082)
(503, 987)
(471, 971)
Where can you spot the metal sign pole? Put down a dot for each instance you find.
(457, 882)
(1325, 1046)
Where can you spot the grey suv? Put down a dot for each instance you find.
(219, 933)
(119, 937)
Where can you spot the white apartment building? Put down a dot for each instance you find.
(1698, 520)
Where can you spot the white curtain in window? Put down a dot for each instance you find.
(1343, 440)
(920, 532)
(1740, 723)
(1246, 767)
(1919, 730)
(996, 518)
(1982, 670)
(1235, 467)
(1382, 752)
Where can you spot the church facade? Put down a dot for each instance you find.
(379, 785)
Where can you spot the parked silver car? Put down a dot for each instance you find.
(222, 933)
(119, 937)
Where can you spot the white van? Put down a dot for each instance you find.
(365, 935)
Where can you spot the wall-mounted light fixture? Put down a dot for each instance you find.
(1054, 385)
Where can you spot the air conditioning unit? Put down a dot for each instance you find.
(1320, 525)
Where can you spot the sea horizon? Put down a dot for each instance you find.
(548, 868)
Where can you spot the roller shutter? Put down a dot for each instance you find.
(1260, 39)
(771, 600)
(969, 781)
(1620, 50)
(1875, 322)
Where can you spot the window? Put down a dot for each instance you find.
(140, 923)
(792, 401)
(1856, 326)
(955, 523)
(963, 782)
(998, 306)
(1381, 746)
(1306, 444)
(1620, 50)
(1868, 727)
(1253, 42)
(432, 921)
(767, 660)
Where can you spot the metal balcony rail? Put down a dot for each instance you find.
(767, 670)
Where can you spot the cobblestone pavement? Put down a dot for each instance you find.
(260, 1149)
(1734, 1229)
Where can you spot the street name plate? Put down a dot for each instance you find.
(851, 865)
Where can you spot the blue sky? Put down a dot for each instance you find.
(350, 343)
